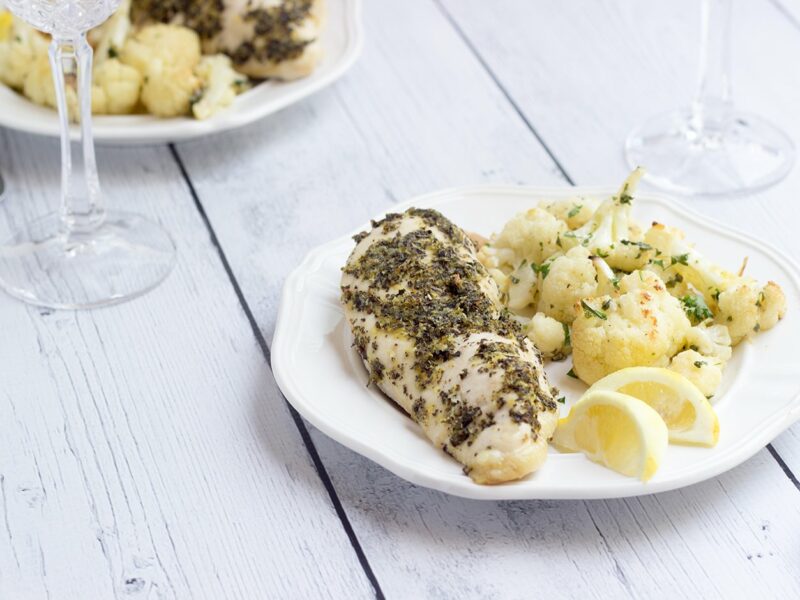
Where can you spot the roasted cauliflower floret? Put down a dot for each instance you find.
(703, 371)
(738, 302)
(575, 212)
(220, 84)
(551, 337)
(522, 286)
(169, 92)
(116, 88)
(172, 45)
(643, 326)
(567, 279)
(20, 46)
(108, 39)
(532, 236)
(165, 56)
(611, 233)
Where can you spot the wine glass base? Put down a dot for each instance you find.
(124, 257)
(747, 155)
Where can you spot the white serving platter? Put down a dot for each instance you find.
(322, 376)
(342, 40)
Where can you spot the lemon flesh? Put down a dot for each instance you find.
(614, 430)
(689, 416)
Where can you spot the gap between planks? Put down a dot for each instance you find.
(494, 77)
(298, 420)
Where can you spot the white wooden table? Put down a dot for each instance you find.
(145, 450)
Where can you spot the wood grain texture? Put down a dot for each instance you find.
(417, 113)
(648, 66)
(145, 451)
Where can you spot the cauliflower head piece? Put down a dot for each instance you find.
(738, 302)
(551, 337)
(704, 372)
(20, 47)
(565, 280)
(220, 84)
(575, 212)
(643, 326)
(165, 56)
(116, 88)
(611, 233)
(532, 236)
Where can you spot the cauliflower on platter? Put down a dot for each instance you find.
(115, 88)
(551, 337)
(20, 47)
(575, 212)
(220, 84)
(157, 68)
(565, 280)
(165, 56)
(641, 326)
(703, 371)
(611, 233)
(583, 277)
(738, 302)
(533, 236)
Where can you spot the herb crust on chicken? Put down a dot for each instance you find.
(429, 325)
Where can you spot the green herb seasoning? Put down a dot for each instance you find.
(426, 286)
(696, 309)
(590, 312)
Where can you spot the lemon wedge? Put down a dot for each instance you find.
(689, 416)
(615, 430)
(6, 21)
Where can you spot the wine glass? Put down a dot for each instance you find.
(83, 255)
(711, 148)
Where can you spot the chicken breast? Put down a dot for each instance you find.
(264, 38)
(427, 321)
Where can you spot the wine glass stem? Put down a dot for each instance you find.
(82, 208)
(713, 104)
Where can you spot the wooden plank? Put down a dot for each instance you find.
(419, 113)
(145, 451)
(654, 51)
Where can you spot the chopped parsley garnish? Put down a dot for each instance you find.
(606, 304)
(561, 400)
(571, 373)
(760, 300)
(543, 269)
(625, 198)
(696, 309)
(514, 280)
(574, 210)
(699, 363)
(600, 253)
(640, 245)
(679, 259)
(590, 312)
(657, 261)
(715, 294)
(672, 282)
(567, 338)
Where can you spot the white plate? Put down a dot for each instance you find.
(323, 378)
(342, 39)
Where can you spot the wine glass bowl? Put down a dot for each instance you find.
(711, 148)
(63, 17)
(83, 255)
(740, 155)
